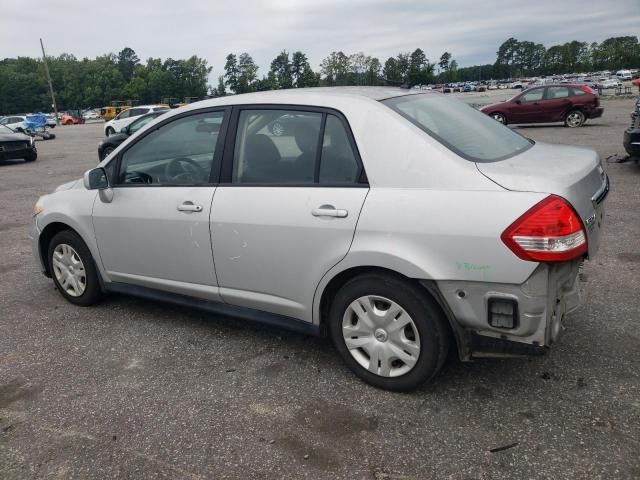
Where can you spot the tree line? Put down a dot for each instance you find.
(96, 82)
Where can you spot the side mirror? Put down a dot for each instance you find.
(518, 102)
(125, 130)
(96, 179)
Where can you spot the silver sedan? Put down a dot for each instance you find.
(402, 224)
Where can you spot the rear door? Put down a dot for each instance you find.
(556, 103)
(286, 208)
(529, 109)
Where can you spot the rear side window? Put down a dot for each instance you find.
(459, 127)
(577, 92)
(557, 92)
(338, 163)
(280, 147)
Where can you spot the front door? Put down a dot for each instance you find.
(286, 209)
(530, 107)
(155, 231)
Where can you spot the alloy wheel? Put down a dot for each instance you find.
(575, 119)
(381, 336)
(69, 270)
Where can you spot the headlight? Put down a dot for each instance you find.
(39, 206)
(32, 141)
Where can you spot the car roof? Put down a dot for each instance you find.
(310, 96)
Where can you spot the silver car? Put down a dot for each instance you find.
(400, 223)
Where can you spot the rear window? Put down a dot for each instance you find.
(459, 127)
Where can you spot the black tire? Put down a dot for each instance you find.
(92, 292)
(426, 314)
(574, 119)
(110, 131)
(106, 152)
(31, 158)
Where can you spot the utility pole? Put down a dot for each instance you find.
(53, 97)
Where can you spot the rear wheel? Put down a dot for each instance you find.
(499, 117)
(574, 119)
(72, 268)
(388, 331)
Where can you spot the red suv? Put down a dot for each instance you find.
(571, 104)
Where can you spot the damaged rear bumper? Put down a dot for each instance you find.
(534, 311)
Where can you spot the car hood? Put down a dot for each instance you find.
(68, 185)
(493, 105)
(116, 138)
(14, 137)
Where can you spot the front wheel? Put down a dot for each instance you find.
(72, 268)
(499, 117)
(31, 157)
(574, 119)
(388, 331)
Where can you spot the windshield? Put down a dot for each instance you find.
(4, 129)
(459, 127)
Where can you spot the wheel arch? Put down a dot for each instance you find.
(45, 237)
(428, 287)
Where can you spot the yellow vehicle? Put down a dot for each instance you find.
(172, 102)
(117, 106)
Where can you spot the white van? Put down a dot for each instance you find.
(623, 74)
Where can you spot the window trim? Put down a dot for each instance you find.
(213, 176)
(225, 178)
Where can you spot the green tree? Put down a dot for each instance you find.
(127, 61)
(281, 68)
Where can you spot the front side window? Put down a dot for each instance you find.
(459, 127)
(532, 95)
(124, 114)
(182, 152)
(557, 92)
(276, 147)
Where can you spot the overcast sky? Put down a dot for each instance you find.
(471, 30)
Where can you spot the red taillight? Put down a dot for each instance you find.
(550, 231)
(586, 89)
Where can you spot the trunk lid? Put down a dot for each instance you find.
(574, 173)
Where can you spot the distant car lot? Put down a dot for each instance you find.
(133, 388)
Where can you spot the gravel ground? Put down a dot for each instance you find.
(135, 389)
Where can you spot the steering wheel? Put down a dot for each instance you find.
(184, 170)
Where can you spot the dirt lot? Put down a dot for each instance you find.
(134, 389)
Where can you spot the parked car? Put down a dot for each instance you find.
(15, 145)
(14, 122)
(109, 144)
(91, 115)
(631, 140)
(72, 117)
(127, 116)
(608, 83)
(571, 104)
(464, 235)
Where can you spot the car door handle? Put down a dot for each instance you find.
(329, 211)
(189, 207)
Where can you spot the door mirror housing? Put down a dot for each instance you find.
(125, 130)
(517, 101)
(96, 179)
